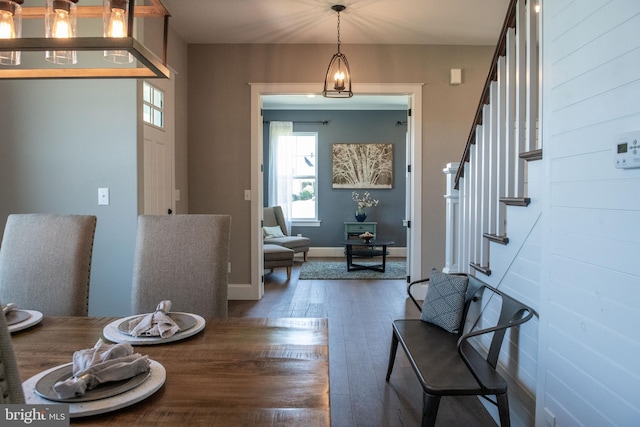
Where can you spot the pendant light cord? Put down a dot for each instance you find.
(338, 31)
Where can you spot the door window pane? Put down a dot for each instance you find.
(152, 105)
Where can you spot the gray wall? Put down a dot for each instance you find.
(60, 141)
(220, 121)
(335, 206)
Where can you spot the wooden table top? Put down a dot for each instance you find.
(236, 372)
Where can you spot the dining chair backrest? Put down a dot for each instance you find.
(10, 384)
(45, 262)
(184, 259)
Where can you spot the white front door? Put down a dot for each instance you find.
(158, 151)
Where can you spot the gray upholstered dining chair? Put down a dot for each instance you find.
(10, 384)
(45, 262)
(182, 258)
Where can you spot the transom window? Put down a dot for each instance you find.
(152, 105)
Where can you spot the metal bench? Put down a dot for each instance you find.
(448, 364)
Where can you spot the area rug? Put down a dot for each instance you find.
(331, 270)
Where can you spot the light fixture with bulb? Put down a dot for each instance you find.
(115, 19)
(10, 28)
(337, 81)
(61, 42)
(60, 23)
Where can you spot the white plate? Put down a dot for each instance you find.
(112, 333)
(84, 409)
(34, 318)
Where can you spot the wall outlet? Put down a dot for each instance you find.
(229, 268)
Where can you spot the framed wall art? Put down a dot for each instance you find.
(362, 165)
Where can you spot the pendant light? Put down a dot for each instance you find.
(114, 40)
(337, 82)
(10, 28)
(115, 19)
(60, 23)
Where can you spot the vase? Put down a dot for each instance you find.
(361, 215)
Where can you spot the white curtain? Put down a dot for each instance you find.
(281, 167)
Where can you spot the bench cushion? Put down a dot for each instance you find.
(444, 302)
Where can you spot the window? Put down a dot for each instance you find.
(293, 171)
(303, 199)
(152, 105)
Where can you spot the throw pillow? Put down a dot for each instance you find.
(444, 303)
(272, 232)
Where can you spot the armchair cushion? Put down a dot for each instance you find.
(271, 232)
(298, 244)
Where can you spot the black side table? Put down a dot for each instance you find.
(369, 249)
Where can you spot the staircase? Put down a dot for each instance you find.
(492, 208)
(492, 180)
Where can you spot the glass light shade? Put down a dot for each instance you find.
(10, 28)
(337, 82)
(60, 23)
(115, 20)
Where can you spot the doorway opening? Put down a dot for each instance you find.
(413, 92)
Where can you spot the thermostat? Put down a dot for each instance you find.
(627, 151)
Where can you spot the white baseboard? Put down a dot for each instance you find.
(329, 252)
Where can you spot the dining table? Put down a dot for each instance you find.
(235, 372)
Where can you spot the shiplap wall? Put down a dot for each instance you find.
(589, 336)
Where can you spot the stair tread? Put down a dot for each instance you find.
(502, 239)
(515, 201)
(484, 270)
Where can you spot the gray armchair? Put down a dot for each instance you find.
(273, 216)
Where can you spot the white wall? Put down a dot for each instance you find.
(589, 340)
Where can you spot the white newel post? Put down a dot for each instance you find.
(453, 217)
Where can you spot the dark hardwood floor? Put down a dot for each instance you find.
(360, 313)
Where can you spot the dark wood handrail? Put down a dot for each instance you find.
(509, 22)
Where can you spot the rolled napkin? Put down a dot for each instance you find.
(156, 324)
(100, 364)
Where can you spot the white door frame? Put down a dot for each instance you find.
(255, 290)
